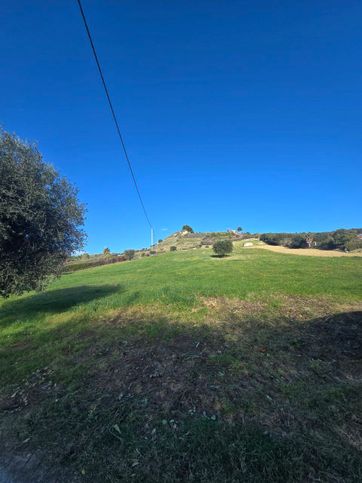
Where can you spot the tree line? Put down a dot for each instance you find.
(342, 239)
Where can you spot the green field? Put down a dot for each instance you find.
(187, 367)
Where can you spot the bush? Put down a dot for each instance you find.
(223, 247)
(343, 237)
(326, 242)
(173, 249)
(129, 254)
(282, 239)
(106, 252)
(187, 228)
(93, 262)
(339, 239)
(354, 244)
(298, 241)
(334, 240)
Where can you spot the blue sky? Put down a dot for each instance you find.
(234, 112)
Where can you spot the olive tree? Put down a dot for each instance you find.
(222, 247)
(40, 218)
(129, 254)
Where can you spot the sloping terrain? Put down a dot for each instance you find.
(188, 241)
(186, 367)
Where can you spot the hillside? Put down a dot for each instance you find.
(336, 243)
(186, 367)
(188, 241)
(194, 241)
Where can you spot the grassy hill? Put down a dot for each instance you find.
(188, 241)
(187, 367)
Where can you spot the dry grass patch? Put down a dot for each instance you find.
(311, 252)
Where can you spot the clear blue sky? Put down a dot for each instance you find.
(234, 112)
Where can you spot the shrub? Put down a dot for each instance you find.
(283, 239)
(354, 244)
(173, 249)
(187, 228)
(93, 262)
(160, 241)
(106, 251)
(298, 241)
(339, 239)
(326, 242)
(129, 254)
(223, 247)
(343, 237)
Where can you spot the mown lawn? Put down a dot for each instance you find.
(186, 367)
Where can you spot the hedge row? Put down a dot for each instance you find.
(75, 266)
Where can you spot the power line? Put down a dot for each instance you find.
(113, 112)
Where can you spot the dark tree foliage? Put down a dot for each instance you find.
(223, 247)
(343, 237)
(40, 218)
(355, 244)
(335, 240)
(129, 254)
(298, 241)
(187, 228)
(173, 248)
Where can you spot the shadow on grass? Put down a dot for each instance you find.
(219, 256)
(242, 400)
(53, 301)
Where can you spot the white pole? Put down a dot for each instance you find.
(151, 238)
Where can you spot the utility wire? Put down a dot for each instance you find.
(113, 112)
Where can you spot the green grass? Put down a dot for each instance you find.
(185, 367)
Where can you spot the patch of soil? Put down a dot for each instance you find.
(30, 391)
(175, 376)
(208, 374)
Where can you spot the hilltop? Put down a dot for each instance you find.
(184, 240)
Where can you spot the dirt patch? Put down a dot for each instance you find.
(30, 391)
(173, 375)
(280, 307)
(295, 378)
(226, 304)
